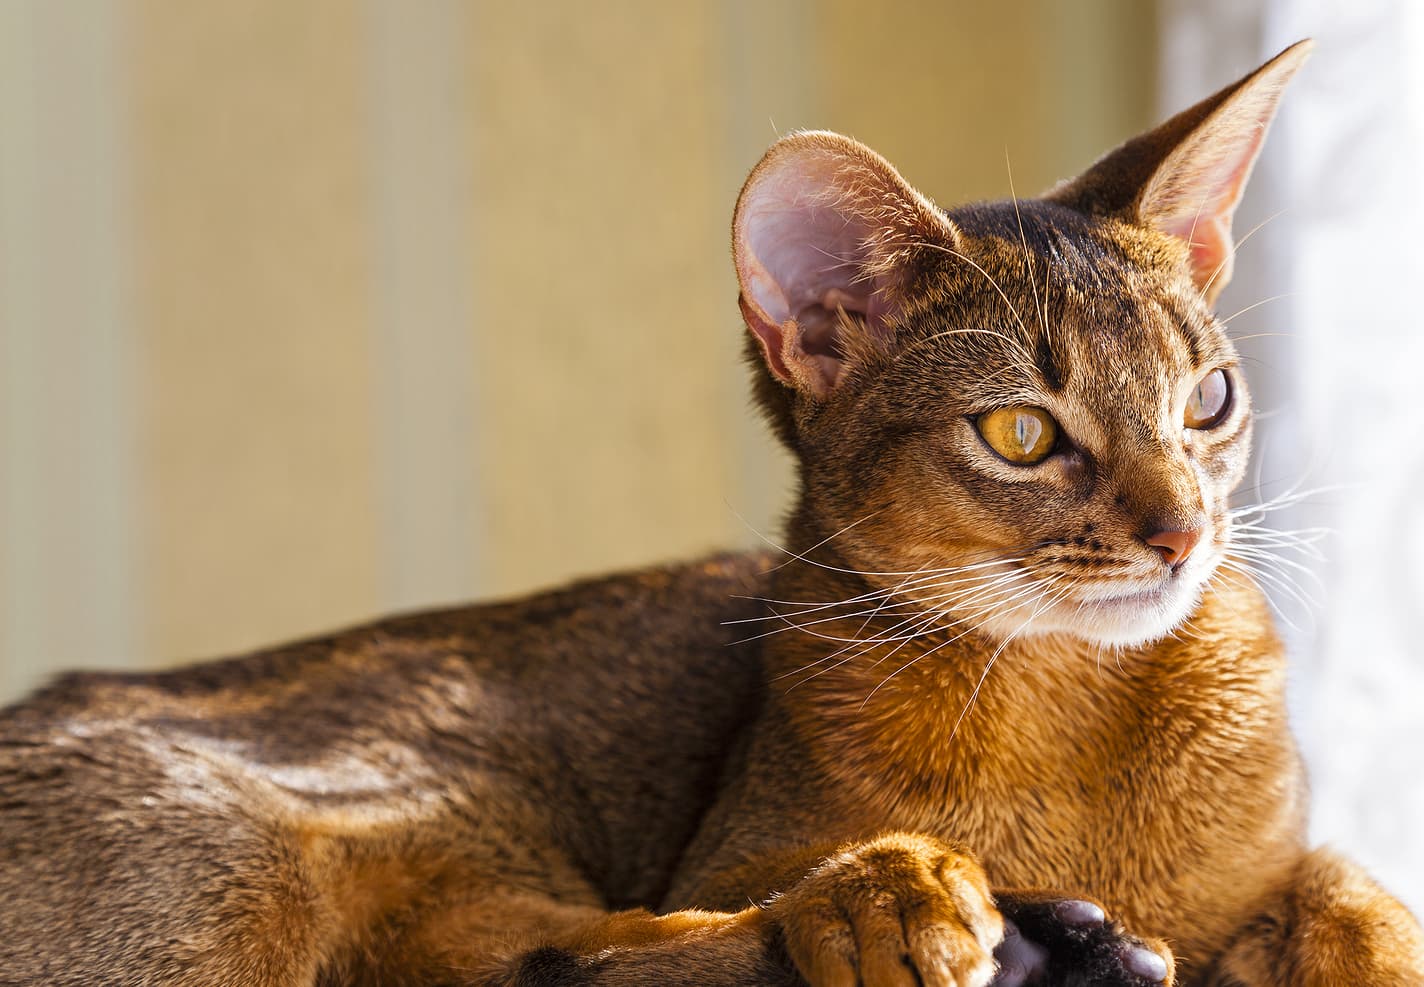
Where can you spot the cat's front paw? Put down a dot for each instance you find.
(1057, 941)
(896, 911)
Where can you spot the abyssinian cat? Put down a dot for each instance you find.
(1009, 713)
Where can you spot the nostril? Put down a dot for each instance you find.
(1175, 546)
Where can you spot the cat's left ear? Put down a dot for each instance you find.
(829, 243)
(1186, 177)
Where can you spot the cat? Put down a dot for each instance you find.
(1006, 713)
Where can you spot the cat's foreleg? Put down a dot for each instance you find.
(1332, 926)
(895, 911)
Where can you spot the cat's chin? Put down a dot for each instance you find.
(1125, 620)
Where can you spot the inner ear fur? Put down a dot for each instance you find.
(1185, 178)
(828, 240)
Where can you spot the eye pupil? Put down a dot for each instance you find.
(1024, 436)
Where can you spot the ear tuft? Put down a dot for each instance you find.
(1186, 177)
(823, 238)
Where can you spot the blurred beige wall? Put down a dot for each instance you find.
(311, 311)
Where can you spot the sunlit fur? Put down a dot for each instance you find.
(1094, 322)
(935, 714)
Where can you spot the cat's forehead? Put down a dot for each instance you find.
(1090, 317)
(1084, 295)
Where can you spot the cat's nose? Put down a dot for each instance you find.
(1175, 545)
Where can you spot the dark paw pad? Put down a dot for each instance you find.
(1071, 943)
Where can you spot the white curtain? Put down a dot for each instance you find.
(1335, 367)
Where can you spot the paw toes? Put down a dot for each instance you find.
(886, 964)
(949, 956)
(831, 961)
(1079, 913)
(1142, 962)
(1081, 946)
(1020, 960)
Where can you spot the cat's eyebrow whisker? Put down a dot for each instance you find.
(1021, 368)
(1040, 310)
(955, 253)
(1263, 301)
(965, 332)
(1258, 335)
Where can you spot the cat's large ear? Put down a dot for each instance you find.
(1185, 177)
(828, 240)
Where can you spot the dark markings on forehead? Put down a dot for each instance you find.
(1047, 366)
(1051, 234)
(1190, 326)
(1044, 255)
(1048, 247)
(1193, 341)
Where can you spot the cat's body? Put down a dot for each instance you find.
(1014, 627)
(281, 807)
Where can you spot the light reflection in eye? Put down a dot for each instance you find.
(1208, 402)
(1024, 435)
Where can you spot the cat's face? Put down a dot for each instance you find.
(1023, 413)
(1064, 401)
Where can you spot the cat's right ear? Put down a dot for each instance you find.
(1185, 177)
(828, 240)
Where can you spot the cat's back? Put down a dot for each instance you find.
(613, 700)
(626, 636)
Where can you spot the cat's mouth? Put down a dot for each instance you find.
(1148, 596)
(1128, 613)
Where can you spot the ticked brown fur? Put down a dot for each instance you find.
(908, 753)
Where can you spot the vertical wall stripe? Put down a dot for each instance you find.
(605, 300)
(770, 85)
(253, 270)
(421, 169)
(66, 339)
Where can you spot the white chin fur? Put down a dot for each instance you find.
(1131, 623)
(1127, 622)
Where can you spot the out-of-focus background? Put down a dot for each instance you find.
(311, 311)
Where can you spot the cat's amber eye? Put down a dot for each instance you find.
(1209, 400)
(1023, 435)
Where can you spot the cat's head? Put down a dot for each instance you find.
(1037, 388)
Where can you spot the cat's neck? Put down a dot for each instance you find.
(874, 691)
